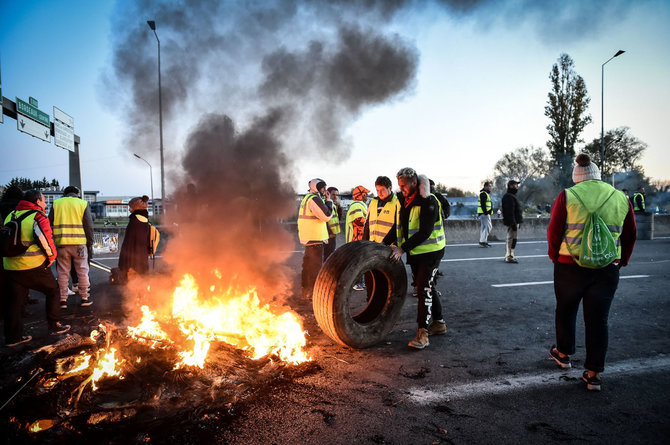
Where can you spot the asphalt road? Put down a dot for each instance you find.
(488, 380)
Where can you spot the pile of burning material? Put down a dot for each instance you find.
(202, 359)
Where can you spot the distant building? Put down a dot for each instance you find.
(117, 207)
(53, 193)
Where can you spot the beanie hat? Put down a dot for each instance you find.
(360, 193)
(139, 203)
(585, 169)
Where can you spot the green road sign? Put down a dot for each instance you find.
(33, 113)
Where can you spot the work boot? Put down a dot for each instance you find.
(421, 339)
(438, 327)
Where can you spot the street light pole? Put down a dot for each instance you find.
(602, 110)
(152, 25)
(151, 177)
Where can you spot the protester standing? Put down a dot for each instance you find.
(512, 218)
(380, 226)
(31, 269)
(136, 247)
(484, 211)
(638, 201)
(421, 235)
(72, 225)
(356, 216)
(315, 211)
(333, 223)
(574, 283)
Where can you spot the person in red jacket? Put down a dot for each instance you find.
(573, 283)
(32, 270)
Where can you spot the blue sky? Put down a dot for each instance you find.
(480, 92)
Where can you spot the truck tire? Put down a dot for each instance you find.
(365, 324)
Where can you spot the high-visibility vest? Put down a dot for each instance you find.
(357, 209)
(334, 222)
(380, 222)
(593, 193)
(435, 241)
(489, 206)
(68, 226)
(310, 228)
(637, 208)
(33, 257)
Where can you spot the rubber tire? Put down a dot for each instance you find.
(334, 287)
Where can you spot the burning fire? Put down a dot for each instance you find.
(236, 318)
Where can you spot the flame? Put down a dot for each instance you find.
(148, 331)
(239, 320)
(108, 365)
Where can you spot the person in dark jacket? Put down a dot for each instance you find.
(512, 217)
(421, 237)
(136, 246)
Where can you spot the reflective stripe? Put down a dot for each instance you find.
(68, 215)
(575, 226)
(435, 241)
(68, 226)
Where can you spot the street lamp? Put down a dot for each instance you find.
(152, 25)
(602, 110)
(151, 177)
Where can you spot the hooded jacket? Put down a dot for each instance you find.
(511, 209)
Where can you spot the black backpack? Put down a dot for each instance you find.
(10, 236)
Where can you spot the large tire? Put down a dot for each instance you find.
(333, 296)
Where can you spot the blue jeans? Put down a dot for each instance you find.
(595, 288)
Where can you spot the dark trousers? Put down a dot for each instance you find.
(329, 248)
(595, 288)
(19, 283)
(311, 264)
(424, 269)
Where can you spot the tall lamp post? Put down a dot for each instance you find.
(152, 25)
(602, 110)
(151, 177)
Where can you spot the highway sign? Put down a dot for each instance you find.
(32, 112)
(33, 128)
(63, 130)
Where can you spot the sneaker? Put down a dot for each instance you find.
(563, 362)
(488, 245)
(75, 289)
(592, 383)
(358, 287)
(22, 340)
(437, 328)
(85, 302)
(59, 328)
(483, 245)
(63, 304)
(421, 339)
(511, 259)
(70, 292)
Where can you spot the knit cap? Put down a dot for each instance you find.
(138, 203)
(585, 169)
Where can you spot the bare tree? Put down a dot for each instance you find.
(567, 110)
(522, 164)
(622, 151)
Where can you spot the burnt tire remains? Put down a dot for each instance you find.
(359, 319)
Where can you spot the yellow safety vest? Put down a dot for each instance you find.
(381, 222)
(334, 222)
(31, 258)
(489, 206)
(635, 206)
(435, 241)
(310, 228)
(357, 209)
(613, 213)
(68, 217)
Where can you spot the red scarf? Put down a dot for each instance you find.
(410, 198)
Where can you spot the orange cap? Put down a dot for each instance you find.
(360, 193)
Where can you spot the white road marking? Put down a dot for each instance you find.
(499, 258)
(535, 283)
(498, 243)
(510, 383)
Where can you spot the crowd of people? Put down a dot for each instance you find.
(64, 237)
(412, 224)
